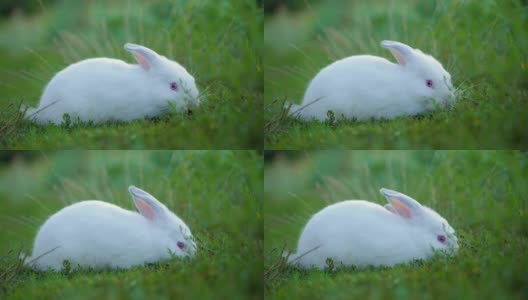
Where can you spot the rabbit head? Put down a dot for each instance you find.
(433, 230)
(429, 77)
(173, 233)
(168, 81)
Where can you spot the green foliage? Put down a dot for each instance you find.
(8, 7)
(219, 42)
(480, 193)
(479, 42)
(217, 193)
(11, 117)
(270, 6)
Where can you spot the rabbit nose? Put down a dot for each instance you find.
(192, 103)
(454, 243)
(449, 86)
(196, 97)
(192, 249)
(196, 103)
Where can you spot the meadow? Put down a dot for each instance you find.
(482, 194)
(216, 193)
(219, 42)
(481, 44)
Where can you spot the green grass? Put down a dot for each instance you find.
(482, 194)
(219, 42)
(217, 193)
(481, 43)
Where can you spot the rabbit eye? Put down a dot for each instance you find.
(429, 83)
(181, 245)
(441, 238)
(174, 86)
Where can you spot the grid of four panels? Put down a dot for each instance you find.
(263, 149)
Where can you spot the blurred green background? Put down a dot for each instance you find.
(482, 194)
(272, 6)
(219, 42)
(482, 44)
(216, 193)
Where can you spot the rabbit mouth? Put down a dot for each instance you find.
(448, 104)
(192, 102)
(449, 101)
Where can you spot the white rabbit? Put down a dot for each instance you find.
(100, 235)
(104, 89)
(360, 233)
(366, 86)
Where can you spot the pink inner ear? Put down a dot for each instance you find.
(401, 208)
(145, 209)
(142, 61)
(399, 57)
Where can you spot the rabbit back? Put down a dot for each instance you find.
(95, 234)
(361, 87)
(358, 233)
(97, 89)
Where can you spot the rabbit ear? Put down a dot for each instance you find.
(145, 57)
(401, 204)
(390, 208)
(401, 52)
(146, 204)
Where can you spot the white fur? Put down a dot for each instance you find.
(105, 89)
(366, 86)
(360, 233)
(99, 235)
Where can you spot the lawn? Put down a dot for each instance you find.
(482, 194)
(219, 42)
(216, 193)
(482, 45)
